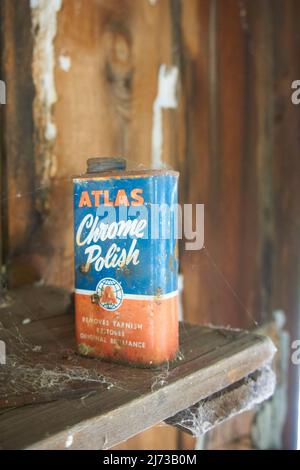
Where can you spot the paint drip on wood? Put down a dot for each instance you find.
(44, 30)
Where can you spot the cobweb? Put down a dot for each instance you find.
(242, 396)
(31, 375)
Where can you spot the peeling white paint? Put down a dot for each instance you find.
(64, 62)
(54, 166)
(2, 92)
(55, 4)
(166, 99)
(34, 3)
(69, 441)
(50, 131)
(44, 22)
(44, 29)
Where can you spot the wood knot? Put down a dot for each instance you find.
(120, 48)
(119, 69)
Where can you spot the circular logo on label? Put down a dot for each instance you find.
(110, 293)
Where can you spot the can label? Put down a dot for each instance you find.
(126, 267)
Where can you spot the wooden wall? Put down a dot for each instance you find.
(83, 80)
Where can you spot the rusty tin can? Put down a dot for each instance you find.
(126, 263)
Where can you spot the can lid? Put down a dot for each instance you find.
(99, 164)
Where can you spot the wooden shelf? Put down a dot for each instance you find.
(52, 398)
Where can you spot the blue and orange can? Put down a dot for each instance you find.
(126, 263)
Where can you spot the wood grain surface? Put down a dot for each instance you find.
(47, 388)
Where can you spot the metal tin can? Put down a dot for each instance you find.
(126, 263)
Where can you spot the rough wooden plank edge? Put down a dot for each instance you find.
(144, 411)
(235, 399)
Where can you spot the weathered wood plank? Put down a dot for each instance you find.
(117, 405)
(220, 164)
(195, 153)
(234, 198)
(21, 219)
